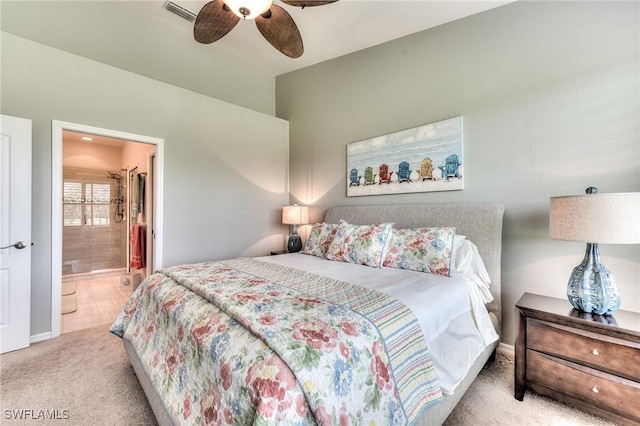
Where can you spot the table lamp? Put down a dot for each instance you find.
(295, 215)
(594, 219)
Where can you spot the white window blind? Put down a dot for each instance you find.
(86, 203)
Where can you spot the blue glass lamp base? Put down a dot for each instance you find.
(591, 287)
(294, 244)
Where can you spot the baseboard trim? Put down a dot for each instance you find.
(507, 351)
(40, 337)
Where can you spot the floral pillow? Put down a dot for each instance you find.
(421, 249)
(320, 238)
(361, 244)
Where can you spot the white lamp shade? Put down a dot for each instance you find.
(596, 218)
(295, 215)
(252, 8)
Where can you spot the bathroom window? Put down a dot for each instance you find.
(86, 203)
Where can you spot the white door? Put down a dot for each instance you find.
(15, 233)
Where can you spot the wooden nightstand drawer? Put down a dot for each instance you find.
(554, 356)
(585, 384)
(600, 352)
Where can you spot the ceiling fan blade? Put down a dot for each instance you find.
(213, 22)
(307, 3)
(278, 27)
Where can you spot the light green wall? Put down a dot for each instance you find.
(550, 94)
(224, 182)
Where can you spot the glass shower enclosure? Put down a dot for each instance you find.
(94, 221)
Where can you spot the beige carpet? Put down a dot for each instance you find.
(490, 401)
(84, 378)
(85, 372)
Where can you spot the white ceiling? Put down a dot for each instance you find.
(96, 28)
(71, 136)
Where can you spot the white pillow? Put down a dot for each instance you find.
(468, 262)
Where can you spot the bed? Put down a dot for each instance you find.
(431, 360)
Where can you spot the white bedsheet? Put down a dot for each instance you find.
(450, 310)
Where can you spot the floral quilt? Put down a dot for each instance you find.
(244, 341)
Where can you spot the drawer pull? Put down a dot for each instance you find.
(595, 352)
(595, 389)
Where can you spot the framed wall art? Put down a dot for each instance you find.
(423, 159)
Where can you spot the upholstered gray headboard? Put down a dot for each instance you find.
(481, 223)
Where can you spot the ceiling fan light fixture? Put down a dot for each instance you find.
(218, 17)
(248, 9)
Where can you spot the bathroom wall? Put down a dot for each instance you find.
(137, 155)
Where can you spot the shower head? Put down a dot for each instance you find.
(116, 176)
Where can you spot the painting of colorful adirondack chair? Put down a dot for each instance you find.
(451, 168)
(354, 179)
(384, 175)
(369, 177)
(422, 159)
(404, 173)
(426, 170)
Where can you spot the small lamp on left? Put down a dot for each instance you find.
(295, 215)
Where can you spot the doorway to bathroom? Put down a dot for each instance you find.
(103, 202)
(94, 234)
(105, 240)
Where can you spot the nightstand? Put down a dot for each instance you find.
(589, 361)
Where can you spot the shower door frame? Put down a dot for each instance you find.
(57, 129)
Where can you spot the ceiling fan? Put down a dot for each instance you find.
(218, 17)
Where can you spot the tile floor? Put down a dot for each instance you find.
(99, 302)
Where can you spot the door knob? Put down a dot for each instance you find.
(19, 245)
